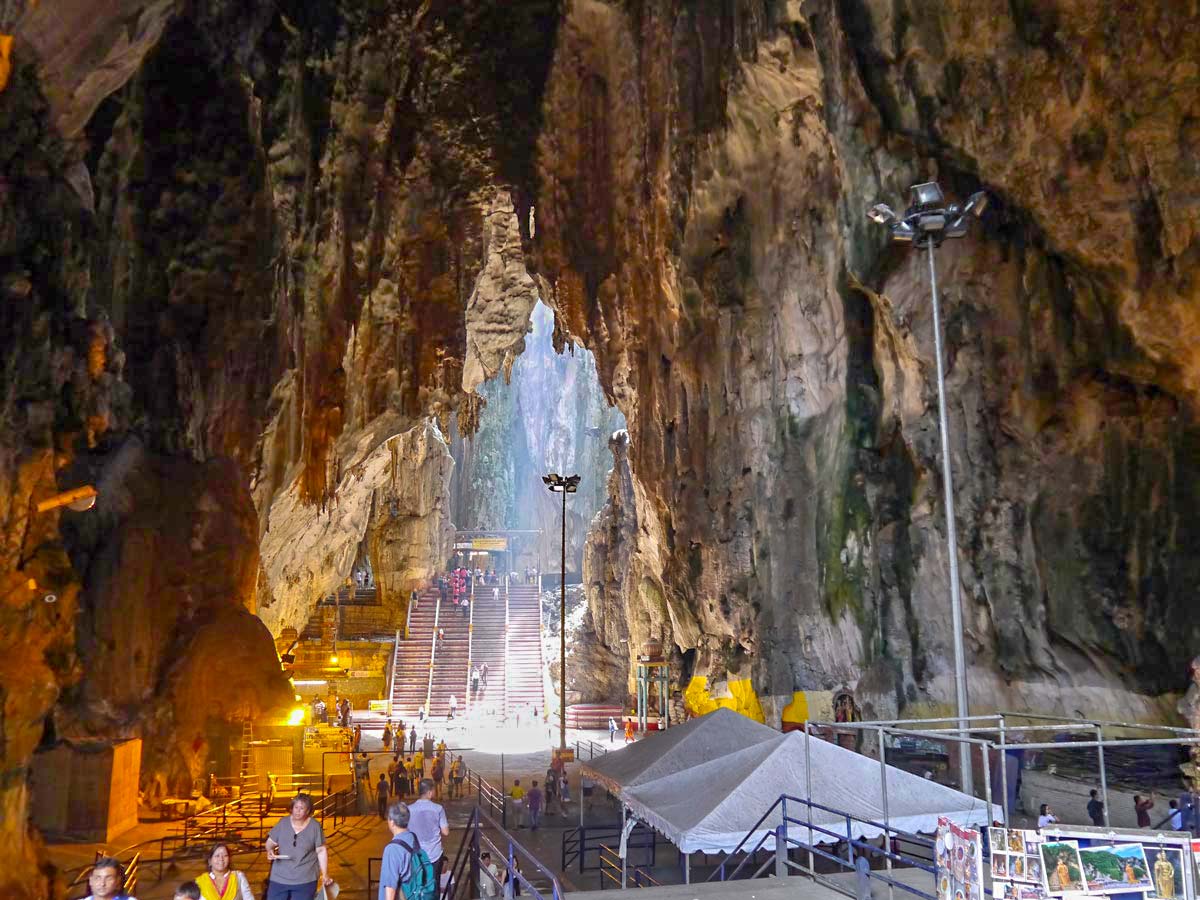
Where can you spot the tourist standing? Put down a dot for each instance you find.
(381, 796)
(395, 769)
(428, 821)
(1095, 809)
(629, 731)
(453, 706)
(564, 793)
(483, 670)
(220, 882)
(474, 681)
(517, 796)
(612, 729)
(1046, 816)
(412, 740)
(1175, 818)
(439, 775)
(298, 871)
(1142, 807)
(387, 739)
(489, 876)
(396, 868)
(107, 880)
(533, 800)
(458, 770)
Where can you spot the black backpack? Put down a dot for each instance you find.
(418, 883)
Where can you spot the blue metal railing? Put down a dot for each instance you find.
(781, 835)
(484, 834)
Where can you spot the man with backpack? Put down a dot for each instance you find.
(406, 872)
(428, 822)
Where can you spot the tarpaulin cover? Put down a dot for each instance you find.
(665, 752)
(711, 806)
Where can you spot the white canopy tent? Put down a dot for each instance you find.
(707, 737)
(712, 805)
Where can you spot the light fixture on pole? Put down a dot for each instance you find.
(566, 484)
(926, 223)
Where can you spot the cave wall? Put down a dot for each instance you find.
(701, 226)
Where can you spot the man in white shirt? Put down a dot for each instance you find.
(106, 880)
(428, 821)
(488, 886)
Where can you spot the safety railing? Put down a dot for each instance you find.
(590, 747)
(490, 798)
(610, 867)
(578, 843)
(483, 834)
(780, 836)
(437, 618)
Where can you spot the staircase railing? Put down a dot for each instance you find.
(470, 642)
(482, 834)
(507, 655)
(782, 840)
(437, 618)
(391, 696)
(578, 842)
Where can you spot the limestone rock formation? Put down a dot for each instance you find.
(410, 534)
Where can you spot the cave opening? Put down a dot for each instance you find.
(549, 414)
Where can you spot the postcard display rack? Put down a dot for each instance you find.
(1075, 863)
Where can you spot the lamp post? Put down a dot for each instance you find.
(925, 224)
(564, 484)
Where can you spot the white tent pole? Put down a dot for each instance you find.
(687, 868)
(808, 794)
(625, 855)
(887, 828)
(1003, 773)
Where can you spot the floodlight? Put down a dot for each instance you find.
(932, 222)
(881, 213)
(903, 232)
(977, 203)
(927, 194)
(957, 228)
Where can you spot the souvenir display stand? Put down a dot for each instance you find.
(1076, 862)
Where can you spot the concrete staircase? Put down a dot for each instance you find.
(524, 669)
(410, 684)
(450, 662)
(487, 646)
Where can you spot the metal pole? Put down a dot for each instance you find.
(625, 855)
(987, 780)
(1103, 772)
(887, 828)
(808, 793)
(562, 636)
(1004, 773)
(956, 619)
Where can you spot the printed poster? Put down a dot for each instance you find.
(1166, 870)
(1116, 868)
(1062, 869)
(959, 862)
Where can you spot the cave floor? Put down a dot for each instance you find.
(500, 753)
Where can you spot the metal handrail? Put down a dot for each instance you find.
(392, 680)
(437, 618)
(470, 647)
(509, 850)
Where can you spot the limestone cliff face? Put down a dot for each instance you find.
(701, 225)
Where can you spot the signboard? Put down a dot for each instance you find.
(489, 543)
(497, 544)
